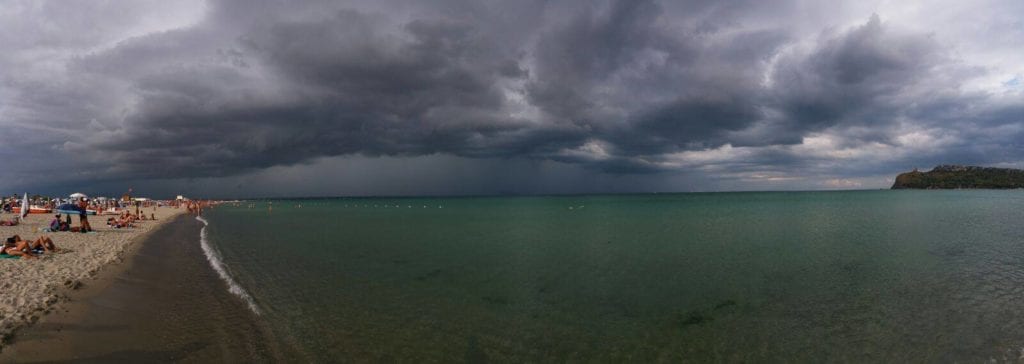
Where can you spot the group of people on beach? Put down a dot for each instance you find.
(195, 207)
(16, 246)
(9, 203)
(57, 224)
(127, 220)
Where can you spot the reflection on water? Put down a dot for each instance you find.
(838, 276)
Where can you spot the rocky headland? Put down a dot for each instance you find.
(956, 176)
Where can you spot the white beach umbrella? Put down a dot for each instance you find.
(78, 195)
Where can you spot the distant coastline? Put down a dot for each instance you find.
(961, 177)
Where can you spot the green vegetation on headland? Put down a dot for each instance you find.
(953, 177)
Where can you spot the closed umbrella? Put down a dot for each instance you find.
(24, 206)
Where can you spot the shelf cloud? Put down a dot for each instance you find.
(737, 95)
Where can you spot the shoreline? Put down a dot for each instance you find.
(164, 303)
(34, 288)
(217, 264)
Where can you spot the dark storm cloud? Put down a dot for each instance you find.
(341, 85)
(622, 87)
(853, 78)
(650, 86)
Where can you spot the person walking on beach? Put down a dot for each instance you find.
(83, 219)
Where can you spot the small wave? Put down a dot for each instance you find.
(218, 265)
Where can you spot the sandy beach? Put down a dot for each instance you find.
(163, 303)
(32, 287)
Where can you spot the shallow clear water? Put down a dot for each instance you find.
(823, 276)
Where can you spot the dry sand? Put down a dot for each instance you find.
(31, 287)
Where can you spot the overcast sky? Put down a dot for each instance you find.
(386, 97)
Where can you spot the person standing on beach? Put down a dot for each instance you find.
(83, 219)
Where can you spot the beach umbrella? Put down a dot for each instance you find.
(68, 208)
(78, 195)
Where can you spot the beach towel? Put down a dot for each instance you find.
(5, 256)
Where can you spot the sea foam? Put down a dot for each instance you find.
(218, 265)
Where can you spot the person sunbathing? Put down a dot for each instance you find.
(45, 243)
(128, 218)
(118, 223)
(42, 242)
(17, 247)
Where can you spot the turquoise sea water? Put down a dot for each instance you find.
(782, 276)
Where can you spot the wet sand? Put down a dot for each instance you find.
(167, 304)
